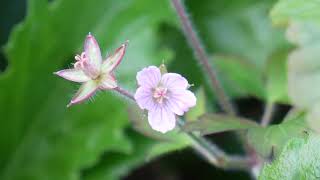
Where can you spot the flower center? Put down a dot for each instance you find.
(159, 94)
(83, 64)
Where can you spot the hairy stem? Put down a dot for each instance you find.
(267, 115)
(202, 57)
(210, 151)
(124, 93)
(214, 155)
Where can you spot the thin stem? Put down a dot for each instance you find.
(202, 57)
(256, 161)
(268, 113)
(207, 149)
(124, 93)
(214, 154)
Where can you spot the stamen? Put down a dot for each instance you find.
(77, 57)
(160, 94)
(81, 60)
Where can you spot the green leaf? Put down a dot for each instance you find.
(115, 165)
(242, 29)
(240, 32)
(42, 139)
(177, 141)
(214, 123)
(239, 77)
(277, 81)
(304, 67)
(300, 159)
(171, 141)
(200, 107)
(286, 11)
(270, 140)
(313, 118)
(303, 31)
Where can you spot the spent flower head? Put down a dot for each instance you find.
(90, 70)
(164, 96)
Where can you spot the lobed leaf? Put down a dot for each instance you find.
(300, 159)
(269, 141)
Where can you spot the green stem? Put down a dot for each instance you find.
(214, 155)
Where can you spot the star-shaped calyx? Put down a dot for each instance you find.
(92, 71)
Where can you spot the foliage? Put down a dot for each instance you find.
(40, 137)
(298, 160)
(104, 139)
(270, 141)
(214, 123)
(303, 30)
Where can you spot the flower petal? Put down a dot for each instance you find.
(161, 119)
(114, 60)
(176, 106)
(86, 90)
(108, 82)
(181, 100)
(90, 70)
(92, 52)
(144, 99)
(76, 75)
(149, 77)
(174, 81)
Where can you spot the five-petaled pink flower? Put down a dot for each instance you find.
(91, 71)
(164, 96)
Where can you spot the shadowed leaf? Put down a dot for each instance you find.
(272, 138)
(171, 141)
(215, 123)
(200, 107)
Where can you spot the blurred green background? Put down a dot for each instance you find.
(41, 139)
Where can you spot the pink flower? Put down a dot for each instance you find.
(91, 71)
(164, 96)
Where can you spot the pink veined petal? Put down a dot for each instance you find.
(92, 53)
(90, 70)
(175, 106)
(181, 100)
(149, 77)
(174, 81)
(108, 82)
(161, 119)
(86, 90)
(76, 75)
(144, 99)
(114, 60)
